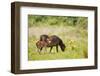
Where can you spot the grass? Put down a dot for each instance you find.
(74, 38)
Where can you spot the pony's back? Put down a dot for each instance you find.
(44, 37)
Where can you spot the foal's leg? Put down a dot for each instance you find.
(40, 50)
(51, 49)
(57, 48)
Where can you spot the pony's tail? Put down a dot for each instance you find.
(62, 45)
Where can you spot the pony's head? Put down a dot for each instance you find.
(63, 47)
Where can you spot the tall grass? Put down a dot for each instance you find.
(74, 37)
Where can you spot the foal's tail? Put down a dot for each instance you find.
(62, 45)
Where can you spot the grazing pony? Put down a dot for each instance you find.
(50, 41)
(55, 41)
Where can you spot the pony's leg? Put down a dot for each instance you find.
(40, 50)
(57, 48)
(45, 49)
(51, 49)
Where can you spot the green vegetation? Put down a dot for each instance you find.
(72, 30)
(57, 21)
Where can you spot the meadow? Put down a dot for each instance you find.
(72, 30)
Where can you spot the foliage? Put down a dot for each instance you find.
(57, 20)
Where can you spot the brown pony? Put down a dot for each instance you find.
(50, 41)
